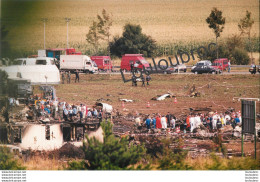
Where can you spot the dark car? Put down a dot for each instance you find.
(253, 69)
(199, 69)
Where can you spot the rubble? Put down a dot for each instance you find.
(126, 100)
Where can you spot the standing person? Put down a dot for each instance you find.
(173, 122)
(229, 66)
(63, 77)
(158, 122)
(154, 122)
(143, 81)
(68, 77)
(169, 117)
(134, 81)
(132, 66)
(164, 122)
(148, 122)
(148, 78)
(77, 76)
(100, 116)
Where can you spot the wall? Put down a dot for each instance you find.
(34, 137)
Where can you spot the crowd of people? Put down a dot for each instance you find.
(212, 121)
(63, 111)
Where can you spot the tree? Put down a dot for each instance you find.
(245, 26)
(4, 44)
(7, 161)
(216, 22)
(112, 154)
(104, 24)
(133, 41)
(93, 36)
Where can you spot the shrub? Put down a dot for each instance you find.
(173, 159)
(240, 57)
(7, 161)
(112, 154)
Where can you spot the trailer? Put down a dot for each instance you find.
(82, 63)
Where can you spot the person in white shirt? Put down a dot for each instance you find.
(173, 123)
(164, 122)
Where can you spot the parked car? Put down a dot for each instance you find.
(253, 69)
(204, 67)
(172, 69)
(221, 64)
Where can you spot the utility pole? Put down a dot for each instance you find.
(67, 20)
(44, 20)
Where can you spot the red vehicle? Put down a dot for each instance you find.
(221, 64)
(103, 62)
(137, 60)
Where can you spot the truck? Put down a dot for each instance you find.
(82, 63)
(137, 60)
(221, 64)
(103, 62)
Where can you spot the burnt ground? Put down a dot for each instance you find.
(215, 93)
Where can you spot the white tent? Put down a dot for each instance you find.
(38, 74)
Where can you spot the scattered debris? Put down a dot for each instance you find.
(163, 97)
(126, 100)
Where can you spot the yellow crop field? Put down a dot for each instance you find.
(167, 21)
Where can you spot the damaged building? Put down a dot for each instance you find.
(47, 136)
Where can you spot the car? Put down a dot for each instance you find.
(199, 69)
(172, 69)
(253, 69)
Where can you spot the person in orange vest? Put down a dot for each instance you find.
(158, 122)
(188, 122)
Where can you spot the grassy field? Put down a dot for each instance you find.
(168, 21)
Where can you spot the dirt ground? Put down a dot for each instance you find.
(217, 92)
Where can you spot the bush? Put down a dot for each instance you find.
(240, 57)
(133, 41)
(7, 161)
(173, 159)
(113, 154)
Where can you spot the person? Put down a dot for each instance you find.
(237, 120)
(148, 78)
(138, 122)
(173, 122)
(188, 122)
(148, 122)
(143, 81)
(164, 122)
(169, 117)
(95, 113)
(134, 81)
(100, 116)
(68, 75)
(158, 122)
(89, 115)
(229, 66)
(77, 76)
(65, 114)
(62, 77)
(154, 122)
(132, 66)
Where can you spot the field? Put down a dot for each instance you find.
(217, 92)
(169, 21)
